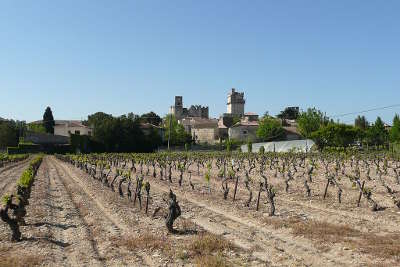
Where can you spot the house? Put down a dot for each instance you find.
(292, 133)
(66, 128)
(244, 131)
(205, 131)
(147, 129)
(250, 116)
(387, 126)
(222, 130)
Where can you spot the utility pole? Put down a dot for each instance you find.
(169, 130)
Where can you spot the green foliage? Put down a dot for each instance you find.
(8, 134)
(36, 128)
(207, 177)
(290, 113)
(178, 134)
(228, 145)
(151, 118)
(335, 135)
(310, 121)
(361, 123)
(6, 199)
(121, 134)
(27, 176)
(48, 121)
(235, 120)
(377, 134)
(270, 129)
(262, 150)
(394, 133)
(249, 146)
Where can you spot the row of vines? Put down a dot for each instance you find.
(256, 176)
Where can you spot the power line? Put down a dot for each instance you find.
(364, 111)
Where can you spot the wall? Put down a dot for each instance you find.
(63, 129)
(243, 133)
(205, 135)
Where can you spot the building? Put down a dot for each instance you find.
(148, 129)
(67, 127)
(291, 133)
(205, 132)
(235, 105)
(196, 111)
(244, 131)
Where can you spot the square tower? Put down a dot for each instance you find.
(235, 105)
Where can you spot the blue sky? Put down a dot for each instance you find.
(81, 57)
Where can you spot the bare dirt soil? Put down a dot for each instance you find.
(74, 220)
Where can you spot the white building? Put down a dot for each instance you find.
(66, 128)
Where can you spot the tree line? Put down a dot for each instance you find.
(315, 125)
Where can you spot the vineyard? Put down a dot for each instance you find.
(204, 209)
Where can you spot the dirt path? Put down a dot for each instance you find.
(10, 174)
(265, 244)
(104, 230)
(122, 213)
(246, 227)
(295, 203)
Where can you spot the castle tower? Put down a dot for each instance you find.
(236, 103)
(177, 109)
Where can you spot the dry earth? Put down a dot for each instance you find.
(73, 220)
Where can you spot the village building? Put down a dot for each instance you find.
(66, 128)
(236, 102)
(245, 129)
(195, 111)
(148, 129)
(205, 132)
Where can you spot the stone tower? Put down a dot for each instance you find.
(236, 103)
(177, 109)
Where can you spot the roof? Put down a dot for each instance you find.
(291, 129)
(196, 121)
(205, 123)
(71, 123)
(221, 125)
(246, 123)
(250, 114)
(146, 125)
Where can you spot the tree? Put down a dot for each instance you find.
(8, 134)
(335, 135)
(394, 133)
(122, 134)
(270, 129)
(377, 134)
(36, 128)
(151, 118)
(289, 113)
(361, 122)
(310, 121)
(48, 121)
(175, 132)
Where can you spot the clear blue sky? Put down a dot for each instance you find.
(81, 57)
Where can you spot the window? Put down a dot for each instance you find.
(244, 131)
(78, 132)
(89, 133)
